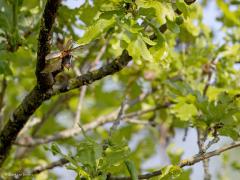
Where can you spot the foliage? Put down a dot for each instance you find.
(193, 82)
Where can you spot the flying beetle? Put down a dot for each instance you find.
(56, 61)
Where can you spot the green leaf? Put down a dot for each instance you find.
(184, 111)
(185, 175)
(235, 2)
(172, 26)
(55, 149)
(4, 68)
(87, 12)
(149, 41)
(179, 88)
(112, 5)
(6, 16)
(144, 50)
(88, 152)
(81, 173)
(181, 5)
(179, 20)
(159, 51)
(137, 49)
(131, 169)
(95, 30)
(4, 23)
(114, 156)
(236, 165)
(191, 28)
(229, 131)
(230, 15)
(174, 154)
(170, 172)
(161, 10)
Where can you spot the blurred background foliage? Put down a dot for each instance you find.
(172, 68)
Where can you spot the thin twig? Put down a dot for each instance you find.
(58, 163)
(101, 53)
(53, 110)
(75, 131)
(185, 134)
(92, 125)
(140, 122)
(31, 123)
(37, 124)
(2, 94)
(209, 70)
(79, 106)
(119, 117)
(201, 141)
(213, 141)
(199, 157)
(207, 84)
(141, 112)
(84, 88)
(186, 162)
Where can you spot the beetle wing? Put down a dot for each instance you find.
(76, 51)
(68, 45)
(53, 55)
(53, 65)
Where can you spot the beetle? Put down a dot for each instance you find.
(56, 61)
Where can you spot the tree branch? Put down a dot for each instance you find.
(52, 111)
(19, 118)
(42, 91)
(36, 97)
(95, 123)
(201, 136)
(45, 81)
(22, 151)
(58, 163)
(201, 157)
(75, 131)
(89, 77)
(77, 119)
(119, 118)
(2, 93)
(186, 162)
(84, 88)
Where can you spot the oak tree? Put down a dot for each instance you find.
(102, 85)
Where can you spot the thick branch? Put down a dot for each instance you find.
(39, 94)
(36, 97)
(88, 78)
(45, 81)
(22, 151)
(19, 119)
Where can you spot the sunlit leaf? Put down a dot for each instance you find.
(93, 32)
